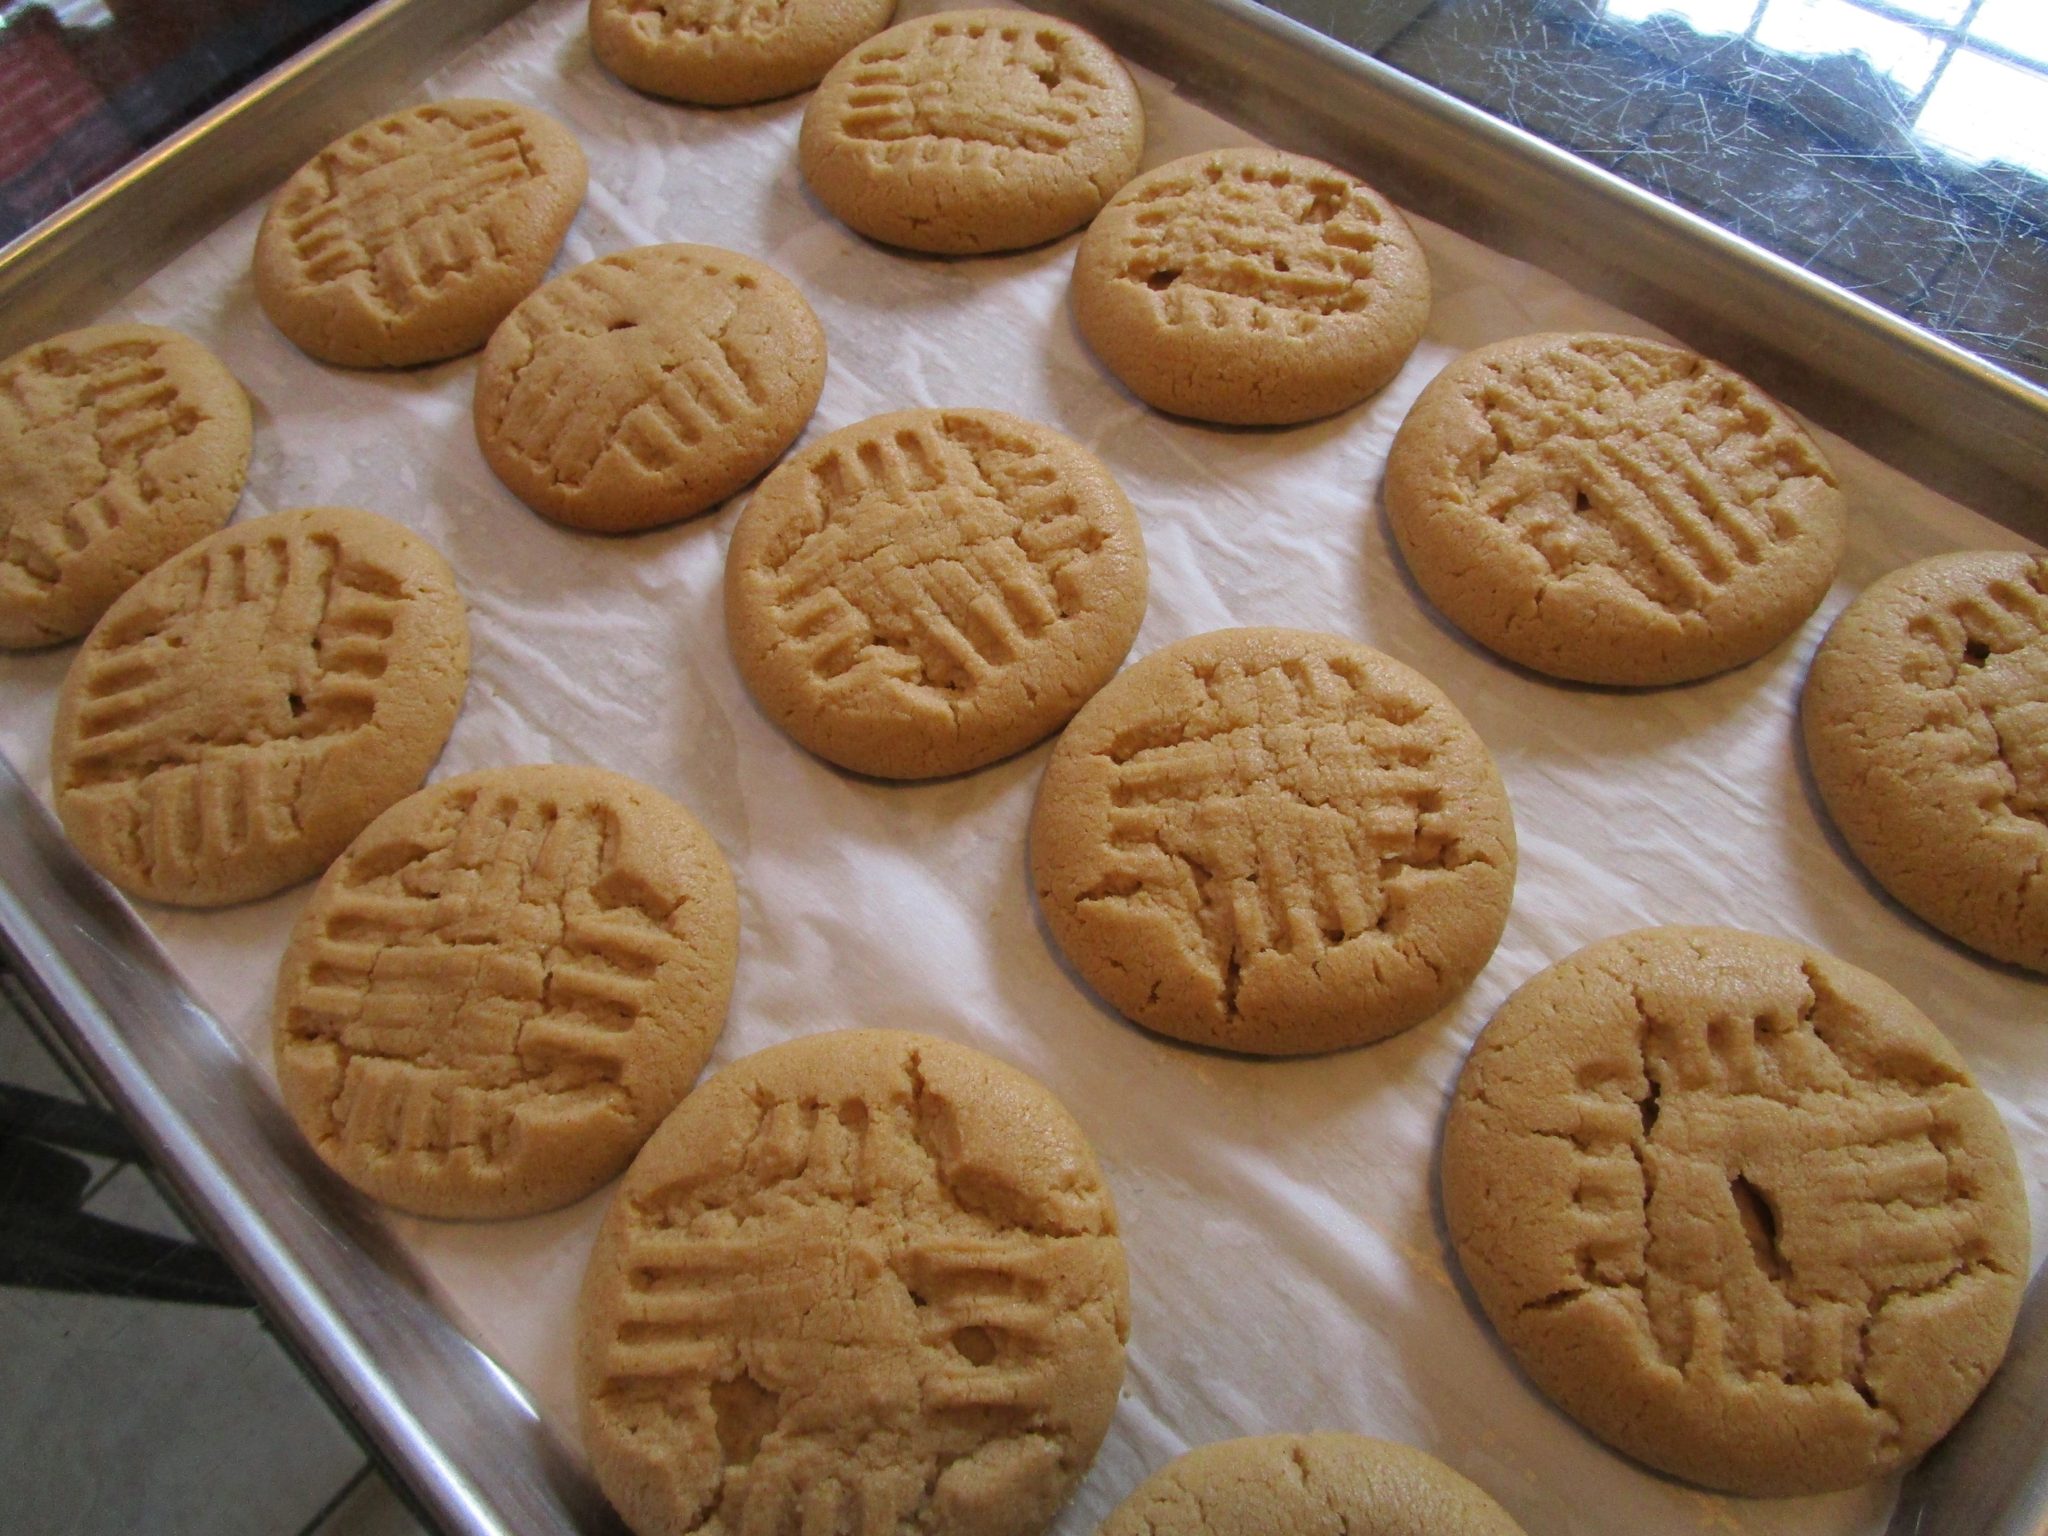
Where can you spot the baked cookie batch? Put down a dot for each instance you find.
(1734, 1205)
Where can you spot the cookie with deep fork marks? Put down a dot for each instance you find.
(720, 53)
(929, 591)
(1273, 841)
(1737, 1208)
(648, 386)
(972, 131)
(503, 986)
(1609, 509)
(119, 446)
(1252, 287)
(863, 1281)
(252, 704)
(408, 240)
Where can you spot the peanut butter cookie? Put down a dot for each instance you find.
(719, 53)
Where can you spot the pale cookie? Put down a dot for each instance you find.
(1926, 722)
(1612, 510)
(411, 238)
(119, 446)
(1273, 841)
(864, 1281)
(255, 702)
(972, 131)
(929, 591)
(1737, 1207)
(648, 386)
(719, 53)
(503, 986)
(1251, 286)
(1307, 1485)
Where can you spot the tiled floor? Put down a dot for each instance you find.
(135, 1416)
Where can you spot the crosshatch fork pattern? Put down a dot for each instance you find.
(938, 555)
(1644, 458)
(1275, 815)
(398, 206)
(132, 410)
(709, 18)
(459, 974)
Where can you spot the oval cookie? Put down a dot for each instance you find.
(1295, 1485)
(119, 446)
(1926, 722)
(408, 240)
(1273, 841)
(862, 1281)
(503, 986)
(725, 52)
(253, 703)
(1737, 1208)
(1608, 509)
(972, 131)
(1251, 286)
(926, 592)
(648, 386)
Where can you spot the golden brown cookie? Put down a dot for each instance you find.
(1926, 722)
(1307, 1485)
(928, 591)
(1612, 510)
(648, 386)
(503, 986)
(254, 702)
(119, 446)
(1251, 286)
(972, 131)
(864, 1281)
(1273, 841)
(1737, 1207)
(411, 238)
(724, 52)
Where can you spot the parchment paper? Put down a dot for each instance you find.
(1288, 1263)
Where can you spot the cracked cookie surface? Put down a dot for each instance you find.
(725, 52)
(502, 987)
(252, 704)
(1609, 509)
(1273, 841)
(1251, 286)
(1736, 1207)
(408, 240)
(119, 446)
(648, 386)
(1926, 723)
(926, 592)
(972, 131)
(1307, 1485)
(862, 1281)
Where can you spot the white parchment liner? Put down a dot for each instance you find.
(1288, 1262)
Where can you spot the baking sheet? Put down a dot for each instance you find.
(1288, 1265)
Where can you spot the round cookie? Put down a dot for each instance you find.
(929, 591)
(1273, 841)
(719, 53)
(503, 986)
(408, 240)
(861, 1281)
(1307, 1485)
(1736, 1207)
(1926, 722)
(1251, 286)
(253, 703)
(1609, 509)
(972, 131)
(648, 386)
(119, 446)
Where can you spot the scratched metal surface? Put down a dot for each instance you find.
(1819, 157)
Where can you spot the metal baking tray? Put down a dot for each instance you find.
(469, 1446)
